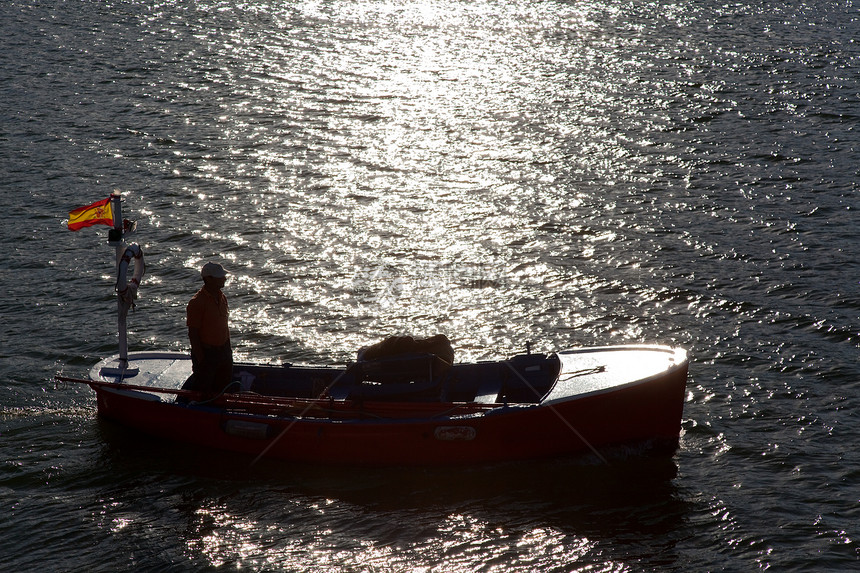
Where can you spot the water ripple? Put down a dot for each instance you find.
(563, 174)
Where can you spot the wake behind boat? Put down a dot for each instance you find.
(398, 408)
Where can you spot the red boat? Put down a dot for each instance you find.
(406, 409)
(409, 410)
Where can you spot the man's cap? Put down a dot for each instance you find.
(213, 270)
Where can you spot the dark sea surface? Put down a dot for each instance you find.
(504, 172)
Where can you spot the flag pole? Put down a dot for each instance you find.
(115, 239)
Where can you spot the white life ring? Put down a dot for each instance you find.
(127, 290)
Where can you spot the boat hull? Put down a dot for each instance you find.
(646, 409)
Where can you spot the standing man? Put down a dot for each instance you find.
(206, 318)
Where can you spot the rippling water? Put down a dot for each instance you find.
(559, 173)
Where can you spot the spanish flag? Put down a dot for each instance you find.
(99, 213)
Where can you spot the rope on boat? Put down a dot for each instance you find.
(557, 413)
(584, 372)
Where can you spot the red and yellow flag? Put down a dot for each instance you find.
(99, 213)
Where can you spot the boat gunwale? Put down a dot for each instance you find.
(233, 403)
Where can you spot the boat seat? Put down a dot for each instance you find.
(488, 392)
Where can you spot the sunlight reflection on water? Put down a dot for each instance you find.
(460, 542)
(563, 173)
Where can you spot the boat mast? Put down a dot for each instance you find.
(115, 239)
(126, 290)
